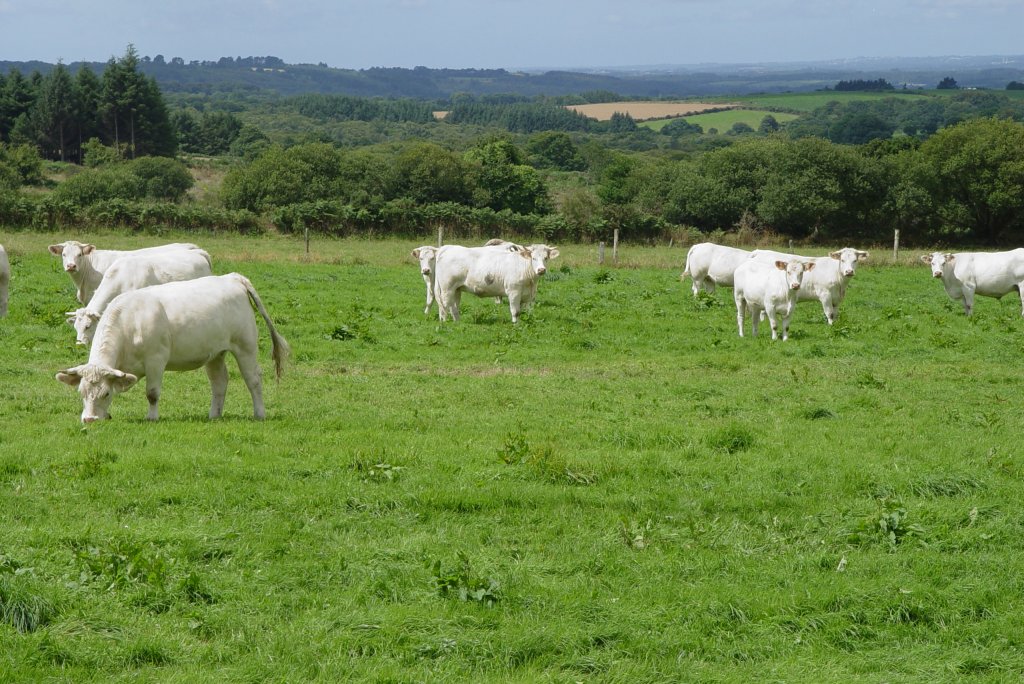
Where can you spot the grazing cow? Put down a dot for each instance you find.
(827, 282)
(134, 273)
(490, 271)
(86, 265)
(5, 280)
(426, 255)
(771, 288)
(991, 274)
(708, 265)
(176, 326)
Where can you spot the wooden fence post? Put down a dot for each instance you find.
(615, 247)
(600, 253)
(307, 239)
(896, 246)
(440, 235)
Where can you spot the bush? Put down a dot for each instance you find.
(163, 178)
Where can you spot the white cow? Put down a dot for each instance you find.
(134, 273)
(991, 274)
(708, 265)
(490, 271)
(5, 280)
(86, 265)
(771, 288)
(426, 256)
(827, 282)
(176, 326)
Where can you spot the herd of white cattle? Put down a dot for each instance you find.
(769, 284)
(161, 308)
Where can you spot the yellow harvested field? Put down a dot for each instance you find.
(641, 111)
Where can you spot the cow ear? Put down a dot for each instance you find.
(56, 249)
(862, 254)
(949, 257)
(122, 381)
(70, 376)
(553, 254)
(781, 265)
(835, 255)
(416, 253)
(926, 258)
(87, 249)
(72, 316)
(809, 265)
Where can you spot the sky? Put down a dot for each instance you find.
(510, 34)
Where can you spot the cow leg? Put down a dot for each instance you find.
(252, 374)
(967, 295)
(154, 381)
(217, 371)
(430, 294)
(829, 309)
(755, 319)
(456, 304)
(514, 305)
(741, 307)
(773, 321)
(1020, 291)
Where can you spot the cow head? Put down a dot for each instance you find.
(540, 255)
(97, 385)
(72, 253)
(938, 261)
(848, 258)
(84, 323)
(794, 271)
(426, 255)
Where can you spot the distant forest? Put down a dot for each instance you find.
(253, 144)
(269, 73)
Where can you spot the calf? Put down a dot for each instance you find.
(991, 274)
(770, 288)
(708, 265)
(827, 282)
(5, 280)
(133, 273)
(491, 271)
(86, 265)
(176, 326)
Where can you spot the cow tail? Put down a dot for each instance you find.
(281, 350)
(686, 268)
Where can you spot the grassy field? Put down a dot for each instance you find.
(723, 121)
(806, 102)
(618, 489)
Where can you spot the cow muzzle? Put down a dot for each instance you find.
(425, 271)
(848, 273)
(541, 270)
(936, 274)
(89, 419)
(70, 268)
(794, 286)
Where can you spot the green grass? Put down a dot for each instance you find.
(616, 489)
(806, 102)
(723, 121)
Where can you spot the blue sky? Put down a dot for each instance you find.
(510, 33)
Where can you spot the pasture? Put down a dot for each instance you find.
(617, 489)
(723, 121)
(643, 111)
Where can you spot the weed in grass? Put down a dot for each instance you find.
(21, 606)
(866, 380)
(636, 535)
(376, 472)
(819, 413)
(603, 276)
(123, 563)
(463, 583)
(890, 525)
(731, 438)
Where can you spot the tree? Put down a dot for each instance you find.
(1015, 85)
(947, 83)
(739, 128)
(87, 123)
(975, 173)
(681, 127)
(504, 181)
(555, 149)
(769, 124)
(54, 111)
(134, 110)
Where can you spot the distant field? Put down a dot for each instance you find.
(806, 102)
(642, 111)
(723, 121)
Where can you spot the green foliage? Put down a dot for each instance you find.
(554, 150)
(22, 606)
(463, 583)
(95, 154)
(163, 178)
(19, 165)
